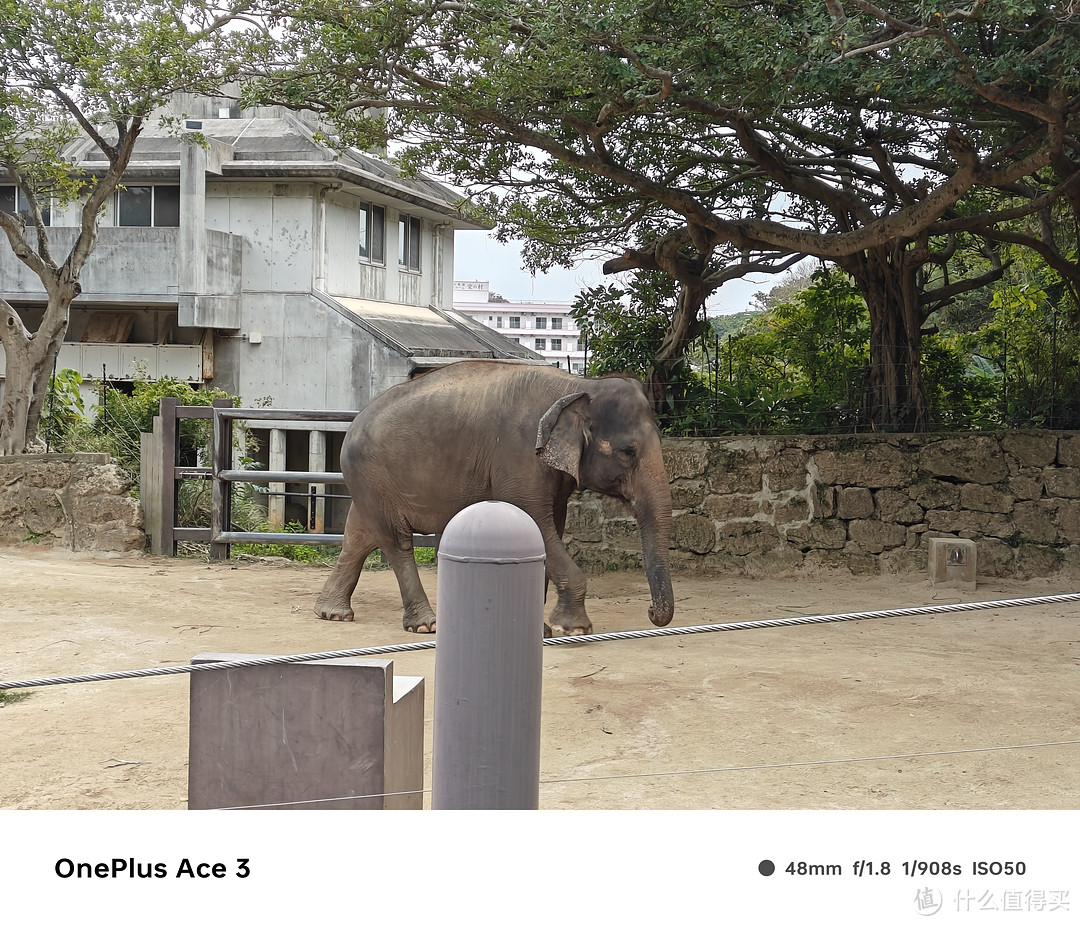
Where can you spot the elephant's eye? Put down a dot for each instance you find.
(628, 451)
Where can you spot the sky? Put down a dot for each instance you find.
(477, 256)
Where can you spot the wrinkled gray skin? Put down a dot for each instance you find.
(483, 430)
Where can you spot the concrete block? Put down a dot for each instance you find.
(306, 732)
(952, 563)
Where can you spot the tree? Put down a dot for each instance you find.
(100, 68)
(711, 138)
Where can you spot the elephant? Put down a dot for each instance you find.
(481, 430)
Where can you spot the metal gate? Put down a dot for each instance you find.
(162, 474)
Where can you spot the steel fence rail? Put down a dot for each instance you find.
(919, 611)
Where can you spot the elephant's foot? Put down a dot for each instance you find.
(419, 620)
(330, 609)
(566, 623)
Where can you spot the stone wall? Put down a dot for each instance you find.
(75, 500)
(762, 505)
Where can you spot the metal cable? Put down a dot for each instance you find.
(553, 641)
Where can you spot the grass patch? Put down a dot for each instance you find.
(13, 697)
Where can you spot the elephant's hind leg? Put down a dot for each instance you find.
(419, 616)
(335, 599)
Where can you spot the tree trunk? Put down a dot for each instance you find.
(886, 277)
(29, 360)
(681, 332)
(15, 405)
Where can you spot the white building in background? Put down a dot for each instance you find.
(547, 328)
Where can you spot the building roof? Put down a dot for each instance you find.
(429, 336)
(275, 143)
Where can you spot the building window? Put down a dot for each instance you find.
(515, 321)
(148, 206)
(372, 233)
(541, 323)
(556, 323)
(556, 343)
(13, 202)
(578, 366)
(498, 321)
(541, 344)
(409, 242)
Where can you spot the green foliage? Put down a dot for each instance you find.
(93, 70)
(297, 552)
(800, 366)
(64, 412)
(114, 426)
(622, 329)
(123, 416)
(13, 697)
(1030, 351)
(708, 138)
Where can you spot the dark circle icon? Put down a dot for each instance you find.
(766, 867)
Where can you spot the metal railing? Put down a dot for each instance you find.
(225, 475)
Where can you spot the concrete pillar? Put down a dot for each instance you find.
(317, 491)
(306, 732)
(489, 661)
(275, 505)
(192, 280)
(952, 563)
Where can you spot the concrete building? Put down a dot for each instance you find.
(547, 328)
(246, 254)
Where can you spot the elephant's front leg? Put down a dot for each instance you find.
(569, 615)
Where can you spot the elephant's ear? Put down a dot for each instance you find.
(561, 434)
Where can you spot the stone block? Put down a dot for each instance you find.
(952, 563)
(875, 465)
(1026, 485)
(1035, 522)
(1062, 483)
(978, 497)
(622, 534)
(1031, 448)
(794, 510)
(742, 537)
(787, 471)
(854, 502)
(98, 479)
(42, 511)
(735, 472)
(896, 505)
(694, 533)
(968, 459)
(682, 461)
(875, 536)
(48, 475)
(584, 520)
(11, 472)
(730, 507)
(306, 735)
(935, 493)
(818, 535)
(1069, 450)
(687, 493)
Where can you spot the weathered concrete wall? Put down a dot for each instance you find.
(758, 505)
(74, 500)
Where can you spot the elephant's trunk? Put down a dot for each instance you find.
(652, 509)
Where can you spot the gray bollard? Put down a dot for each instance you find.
(489, 661)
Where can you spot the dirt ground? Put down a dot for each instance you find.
(949, 711)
